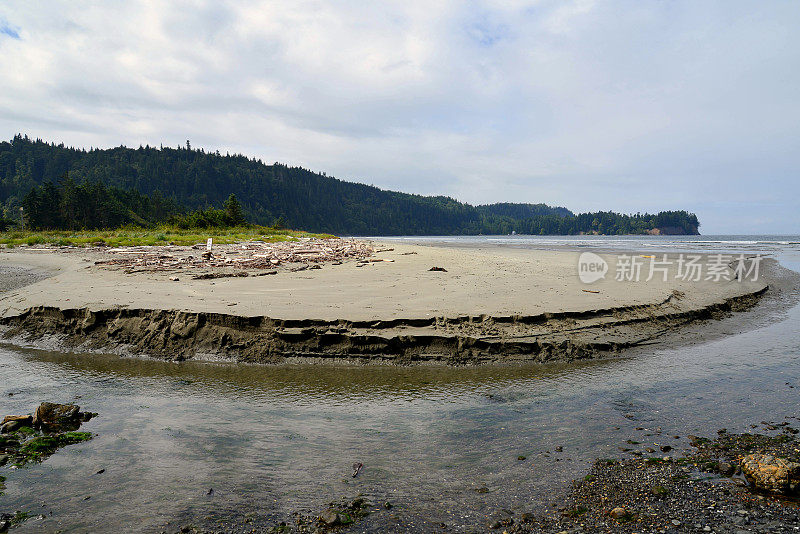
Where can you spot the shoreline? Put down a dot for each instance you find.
(487, 306)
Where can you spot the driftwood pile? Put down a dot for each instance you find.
(252, 255)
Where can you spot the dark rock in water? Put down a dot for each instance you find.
(650, 450)
(387, 505)
(767, 472)
(726, 469)
(52, 414)
(12, 423)
(357, 504)
(9, 427)
(559, 449)
(4, 458)
(329, 518)
(357, 468)
(26, 420)
(665, 448)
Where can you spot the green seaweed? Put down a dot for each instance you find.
(576, 512)
(38, 448)
(20, 517)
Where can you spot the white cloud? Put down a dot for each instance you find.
(616, 105)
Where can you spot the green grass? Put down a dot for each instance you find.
(160, 235)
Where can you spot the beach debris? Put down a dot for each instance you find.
(174, 279)
(357, 468)
(236, 259)
(589, 291)
(211, 276)
(438, 269)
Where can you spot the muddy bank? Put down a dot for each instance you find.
(181, 335)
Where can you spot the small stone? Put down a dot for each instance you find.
(329, 518)
(618, 512)
(387, 505)
(559, 449)
(665, 448)
(726, 469)
(26, 420)
(676, 522)
(521, 458)
(11, 426)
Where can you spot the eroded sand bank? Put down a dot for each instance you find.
(491, 304)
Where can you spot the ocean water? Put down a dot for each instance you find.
(274, 440)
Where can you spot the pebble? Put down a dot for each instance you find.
(618, 512)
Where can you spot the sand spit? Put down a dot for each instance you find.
(488, 305)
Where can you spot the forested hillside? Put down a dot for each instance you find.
(187, 179)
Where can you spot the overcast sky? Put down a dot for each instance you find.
(623, 105)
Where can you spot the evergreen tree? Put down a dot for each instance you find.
(233, 211)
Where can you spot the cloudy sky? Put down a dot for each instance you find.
(625, 105)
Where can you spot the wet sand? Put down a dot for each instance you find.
(489, 304)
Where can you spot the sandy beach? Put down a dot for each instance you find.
(487, 304)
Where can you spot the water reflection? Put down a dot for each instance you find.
(300, 384)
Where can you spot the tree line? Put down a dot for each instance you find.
(68, 205)
(164, 182)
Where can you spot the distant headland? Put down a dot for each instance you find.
(148, 184)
